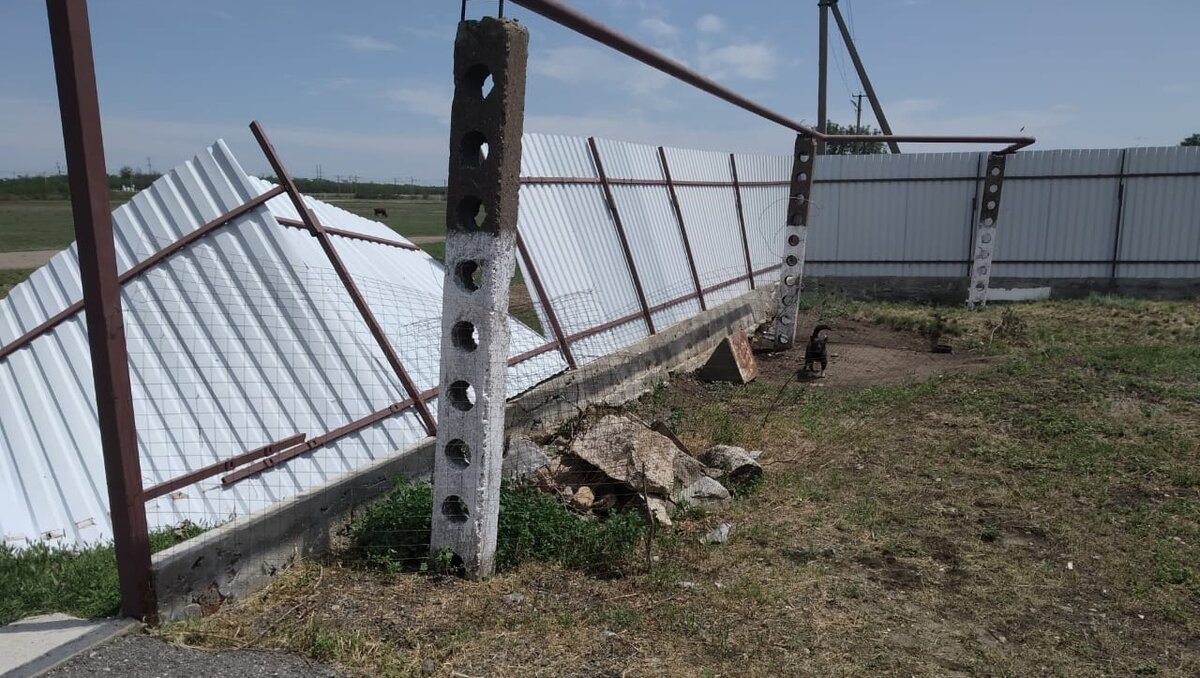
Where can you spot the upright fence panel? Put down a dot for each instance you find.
(1160, 235)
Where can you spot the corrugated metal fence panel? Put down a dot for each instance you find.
(710, 214)
(652, 229)
(1060, 220)
(573, 243)
(245, 337)
(1161, 220)
(867, 218)
(765, 209)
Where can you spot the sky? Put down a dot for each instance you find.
(363, 87)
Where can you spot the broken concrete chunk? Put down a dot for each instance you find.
(719, 534)
(705, 494)
(623, 450)
(732, 361)
(738, 464)
(658, 510)
(524, 457)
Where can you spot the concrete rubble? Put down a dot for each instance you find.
(617, 462)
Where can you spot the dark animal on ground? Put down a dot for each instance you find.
(817, 351)
(380, 212)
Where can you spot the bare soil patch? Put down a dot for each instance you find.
(27, 259)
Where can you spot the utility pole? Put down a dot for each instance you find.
(862, 75)
(856, 101)
(823, 74)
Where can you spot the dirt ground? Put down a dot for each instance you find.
(863, 353)
(28, 259)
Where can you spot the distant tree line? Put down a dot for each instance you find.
(55, 187)
(853, 147)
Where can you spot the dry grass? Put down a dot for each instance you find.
(1037, 517)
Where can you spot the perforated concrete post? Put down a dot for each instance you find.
(481, 222)
(985, 232)
(795, 237)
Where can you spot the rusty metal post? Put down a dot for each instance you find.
(70, 37)
(795, 236)
(737, 201)
(683, 234)
(611, 199)
(481, 231)
(985, 232)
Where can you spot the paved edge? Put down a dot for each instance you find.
(110, 629)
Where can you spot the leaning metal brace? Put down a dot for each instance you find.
(795, 236)
(481, 227)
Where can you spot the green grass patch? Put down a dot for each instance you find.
(82, 582)
(395, 533)
(407, 217)
(10, 278)
(35, 225)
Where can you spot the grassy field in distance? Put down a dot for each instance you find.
(47, 225)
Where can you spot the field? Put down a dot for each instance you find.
(1033, 508)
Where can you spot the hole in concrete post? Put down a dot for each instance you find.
(993, 188)
(804, 157)
(464, 336)
(995, 171)
(991, 205)
(471, 213)
(791, 260)
(803, 176)
(461, 395)
(455, 509)
(988, 221)
(479, 79)
(468, 275)
(790, 280)
(474, 149)
(793, 240)
(459, 453)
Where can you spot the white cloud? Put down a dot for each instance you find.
(588, 65)
(658, 28)
(752, 61)
(710, 23)
(365, 43)
(427, 100)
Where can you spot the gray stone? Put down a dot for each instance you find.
(515, 598)
(738, 465)
(705, 494)
(523, 459)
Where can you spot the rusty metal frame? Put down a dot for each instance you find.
(75, 75)
(625, 248)
(219, 467)
(335, 259)
(687, 243)
(574, 20)
(737, 195)
(296, 223)
(548, 308)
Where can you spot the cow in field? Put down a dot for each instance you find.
(380, 212)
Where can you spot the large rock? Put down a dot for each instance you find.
(732, 361)
(625, 450)
(523, 458)
(739, 466)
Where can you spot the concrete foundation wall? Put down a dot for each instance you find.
(954, 290)
(240, 557)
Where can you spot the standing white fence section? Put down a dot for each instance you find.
(1079, 219)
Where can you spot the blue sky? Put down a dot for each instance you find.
(363, 87)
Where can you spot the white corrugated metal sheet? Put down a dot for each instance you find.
(245, 337)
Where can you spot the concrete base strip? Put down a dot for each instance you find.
(35, 645)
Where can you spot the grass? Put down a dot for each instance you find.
(47, 224)
(83, 582)
(9, 278)
(1040, 515)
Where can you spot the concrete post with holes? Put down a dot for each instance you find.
(481, 225)
(795, 237)
(985, 233)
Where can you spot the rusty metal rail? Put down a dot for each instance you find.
(581, 23)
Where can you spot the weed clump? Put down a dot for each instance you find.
(533, 526)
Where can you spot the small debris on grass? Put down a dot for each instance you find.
(719, 534)
(515, 598)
